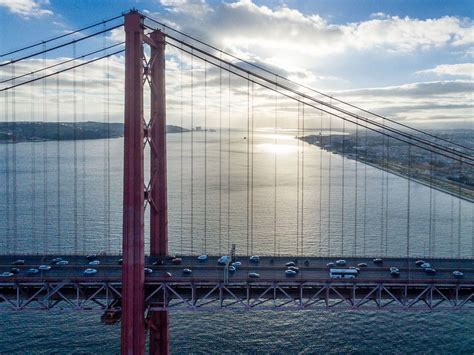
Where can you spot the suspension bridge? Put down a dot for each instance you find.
(228, 175)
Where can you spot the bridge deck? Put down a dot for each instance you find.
(269, 268)
(65, 287)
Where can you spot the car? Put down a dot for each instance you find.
(62, 262)
(378, 261)
(159, 262)
(15, 270)
(254, 259)
(91, 257)
(425, 265)
(90, 272)
(223, 260)
(176, 261)
(232, 269)
(362, 265)
(254, 275)
(32, 271)
(330, 265)
(187, 271)
(354, 268)
(458, 274)
(202, 258)
(294, 268)
(6, 274)
(236, 264)
(290, 272)
(94, 262)
(148, 271)
(430, 271)
(120, 261)
(306, 263)
(291, 263)
(168, 274)
(419, 262)
(44, 267)
(19, 262)
(341, 262)
(394, 269)
(55, 261)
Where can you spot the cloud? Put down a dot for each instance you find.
(243, 24)
(463, 70)
(26, 8)
(188, 7)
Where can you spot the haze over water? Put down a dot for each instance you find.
(326, 230)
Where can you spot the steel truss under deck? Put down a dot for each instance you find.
(212, 296)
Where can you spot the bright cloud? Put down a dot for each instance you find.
(26, 8)
(463, 69)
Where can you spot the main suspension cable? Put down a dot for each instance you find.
(60, 36)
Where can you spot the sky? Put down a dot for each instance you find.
(411, 60)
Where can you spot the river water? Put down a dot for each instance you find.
(65, 203)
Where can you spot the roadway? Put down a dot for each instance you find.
(269, 269)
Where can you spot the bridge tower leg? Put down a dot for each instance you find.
(159, 343)
(133, 276)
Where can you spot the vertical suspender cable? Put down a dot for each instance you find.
(74, 103)
(356, 202)
(33, 172)
(382, 195)
(107, 146)
(15, 207)
(83, 163)
(205, 158)
(181, 159)
(192, 152)
(408, 211)
(451, 239)
(298, 182)
(58, 165)
(302, 181)
(430, 221)
(248, 165)
(343, 183)
(252, 173)
(228, 161)
(329, 182)
(7, 174)
(275, 175)
(387, 157)
(320, 183)
(45, 167)
(220, 161)
(364, 247)
(459, 209)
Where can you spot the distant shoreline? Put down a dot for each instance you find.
(25, 131)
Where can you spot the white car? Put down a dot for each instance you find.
(6, 274)
(89, 272)
(202, 257)
(44, 267)
(254, 275)
(425, 265)
(94, 262)
(255, 259)
(223, 260)
(458, 274)
(341, 262)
